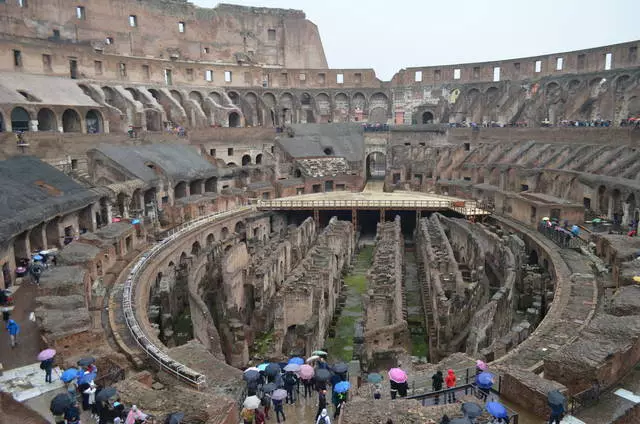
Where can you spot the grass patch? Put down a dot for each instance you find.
(357, 283)
(419, 346)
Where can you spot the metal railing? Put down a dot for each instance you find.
(173, 367)
(361, 204)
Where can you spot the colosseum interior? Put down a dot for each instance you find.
(209, 195)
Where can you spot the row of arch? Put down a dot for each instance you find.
(70, 120)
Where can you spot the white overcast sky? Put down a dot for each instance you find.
(388, 35)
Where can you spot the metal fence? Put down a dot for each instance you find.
(561, 238)
(154, 352)
(360, 204)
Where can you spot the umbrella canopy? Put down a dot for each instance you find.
(374, 378)
(251, 375)
(252, 402)
(496, 409)
(323, 375)
(37, 257)
(545, 218)
(60, 403)
(46, 354)
(481, 365)
(471, 409)
(279, 394)
(262, 366)
(272, 370)
(555, 398)
(341, 387)
(176, 418)
(312, 358)
(296, 360)
(292, 368)
(106, 393)
(636, 278)
(319, 353)
(252, 369)
(85, 362)
(596, 220)
(340, 367)
(69, 375)
(86, 377)
(397, 375)
(485, 380)
(306, 372)
(269, 387)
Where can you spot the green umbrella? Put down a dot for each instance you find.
(319, 353)
(596, 220)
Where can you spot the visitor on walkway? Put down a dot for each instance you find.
(308, 387)
(248, 415)
(377, 391)
(14, 329)
(557, 411)
(90, 394)
(450, 381)
(341, 399)
(72, 414)
(135, 414)
(322, 402)
(266, 404)
(260, 417)
(437, 380)
(402, 389)
(278, 409)
(290, 381)
(47, 366)
(323, 418)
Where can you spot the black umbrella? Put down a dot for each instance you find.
(340, 367)
(176, 418)
(272, 370)
(555, 398)
(471, 409)
(85, 362)
(323, 375)
(60, 403)
(105, 394)
(251, 375)
(269, 387)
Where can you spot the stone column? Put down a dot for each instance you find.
(109, 212)
(626, 214)
(610, 208)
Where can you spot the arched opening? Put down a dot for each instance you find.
(195, 187)
(246, 160)
(183, 259)
(631, 208)
(297, 173)
(240, 230)
(616, 199)
(180, 190)
(234, 97)
(2, 128)
(232, 165)
(427, 118)
(94, 122)
(210, 240)
(259, 159)
(328, 151)
(224, 233)
(195, 249)
(376, 165)
(270, 102)
(122, 203)
(305, 99)
(47, 120)
(603, 201)
(177, 96)
(533, 257)
(154, 120)
(134, 93)
(211, 185)
(216, 97)
(71, 121)
(234, 120)
(196, 97)
(19, 119)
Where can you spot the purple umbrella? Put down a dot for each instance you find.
(46, 354)
(279, 394)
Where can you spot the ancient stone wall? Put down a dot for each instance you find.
(385, 328)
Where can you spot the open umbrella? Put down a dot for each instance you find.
(319, 353)
(252, 369)
(374, 378)
(496, 409)
(269, 387)
(251, 375)
(340, 367)
(545, 218)
(253, 402)
(296, 360)
(272, 370)
(481, 365)
(397, 375)
(323, 375)
(306, 372)
(262, 366)
(555, 398)
(86, 378)
(69, 375)
(37, 257)
(596, 220)
(312, 358)
(106, 393)
(341, 387)
(176, 418)
(85, 362)
(636, 278)
(485, 380)
(292, 368)
(279, 394)
(46, 354)
(471, 409)
(60, 403)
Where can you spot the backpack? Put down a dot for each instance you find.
(323, 420)
(289, 379)
(42, 365)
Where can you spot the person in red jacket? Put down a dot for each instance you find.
(450, 381)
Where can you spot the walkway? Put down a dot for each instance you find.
(29, 338)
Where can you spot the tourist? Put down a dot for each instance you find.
(557, 411)
(445, 419)
(402, 389)
(135, 414)
(14, 329)
(266, 404)
(341, 399)
(72, 414)
(278, 409)
(308, 387)
(393, 391)
(290, 381)
(248, 415)
(437, 380)
(450, 381)
(260, 416)
(377, 391)
(90, 400)
(322, 402)
(47, 366)
(323, 418)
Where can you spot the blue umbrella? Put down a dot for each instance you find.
(496, 409)
(69, 375)
(374, 378)
(296, 360)
(135, 221)
(342, 387)
(485, 380)
(86, 378)
(37, 258)
(263, 366)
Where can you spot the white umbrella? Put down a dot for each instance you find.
(252, 369)
(312, 358)
(252, 402)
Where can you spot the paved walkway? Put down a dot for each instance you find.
(28, 347)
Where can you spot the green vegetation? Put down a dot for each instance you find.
(183, 328)
(261, 344)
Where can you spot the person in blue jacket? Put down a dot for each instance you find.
(14, 329)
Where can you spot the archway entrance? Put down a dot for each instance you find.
(246, 160)
(234, 120)
(376, 165)
(46, 120)
(71, 121)
(19, 119)
(427, 118)
(94, 122)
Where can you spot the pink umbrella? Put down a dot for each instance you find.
(306, 372)
(397, 375)
(46, 354)
(481, 365)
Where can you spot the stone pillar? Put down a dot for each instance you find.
(626, 214)
(105, 126)
(109, 212)
(610, 208)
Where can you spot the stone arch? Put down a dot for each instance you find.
(20, 119)
(232, 165)
(196, 96)
(71, 121)
(210, 239)
(195, 248)
(491, 94)
(616, 200)
(574, 86)
(269, 100)
(622, 83)
(216, 97)
(379, 100)
(376, 165)
(211, 185)
(180, 190)
(358, 102)
(224, 233)
(47, 120)
(305, 99)
(153, 118)
(378, 115)
(183, 259)
(94, 122)
(234, 119)
(634, 106)
(341, 102)
(427, 117)
(323, 106)
(240, 227)
(246, 160)
(234, 97)
(287, 106)
(259, 159)
(178, 96)
(253, 109)
(135, 93)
